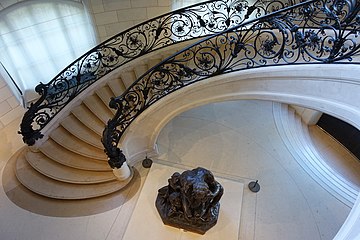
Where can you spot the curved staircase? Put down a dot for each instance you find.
(72, 164)
(295, 134)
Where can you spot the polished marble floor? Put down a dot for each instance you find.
(236, 140)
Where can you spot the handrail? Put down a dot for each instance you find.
(316, 31)
(187, 23)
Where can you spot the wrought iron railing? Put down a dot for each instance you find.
(183, 24)
(318, 31)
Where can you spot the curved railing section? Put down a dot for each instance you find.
(318, 31)
(181, 25)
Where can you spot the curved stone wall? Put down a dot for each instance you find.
(333, 89)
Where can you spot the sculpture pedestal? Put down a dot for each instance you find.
(145, 222)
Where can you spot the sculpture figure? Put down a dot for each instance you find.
(190, 201)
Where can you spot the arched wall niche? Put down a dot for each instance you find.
(332, 89)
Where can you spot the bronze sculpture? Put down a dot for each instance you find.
(190, 201)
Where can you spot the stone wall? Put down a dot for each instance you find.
(10, 108)
(114, 16)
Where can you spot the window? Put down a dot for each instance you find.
(40, 38)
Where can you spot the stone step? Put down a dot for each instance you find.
(153, 61)
(128, 78)
(40, 184)
(68, 141)
(105, 94)
(343, 186)
(117, 86)
(95, 105)
(63, 173)
(140, 69)
(88, 118)
(66, 157)
(78, 129)
(72, 164)
(294, 133)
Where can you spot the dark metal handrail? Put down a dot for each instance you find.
(317, 31)
(187, 23)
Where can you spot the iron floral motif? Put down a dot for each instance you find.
(310, 32)
(192, 22)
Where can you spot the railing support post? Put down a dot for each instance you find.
(116, 157)
(117, 162)
(123, 172)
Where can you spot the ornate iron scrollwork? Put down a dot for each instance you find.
(323, 31)
(192, 22)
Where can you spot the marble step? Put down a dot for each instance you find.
(294, 134)
(105, 94)
(63, 173)
(95, 105)
(140, 69)
(343, 186)
(128, 78)
(311, 158)
(117, 86)
(40, 184)
(88, 118)
(154, 61)
(66, 157)
(68, 141)
(78, 129)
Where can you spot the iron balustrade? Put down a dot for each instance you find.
(184, 24)
(317, 31)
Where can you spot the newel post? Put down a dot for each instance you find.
(119, 166)
(116, 157)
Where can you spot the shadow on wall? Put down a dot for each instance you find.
(346, 134)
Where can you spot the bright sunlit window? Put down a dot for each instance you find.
(40, 38)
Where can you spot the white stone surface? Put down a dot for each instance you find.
(110, 5)
(10, 107)
(289, 205)
(132, 14)
(106, 18)
(122, 173)
(239, 138)
(115, 16)
(331, 89)
(156, 11)
(295, 135)
(227, 226)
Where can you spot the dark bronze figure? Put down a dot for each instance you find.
(190, 201)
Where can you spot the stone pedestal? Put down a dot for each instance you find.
(122, 173)
(145, 222)
(190, 200)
